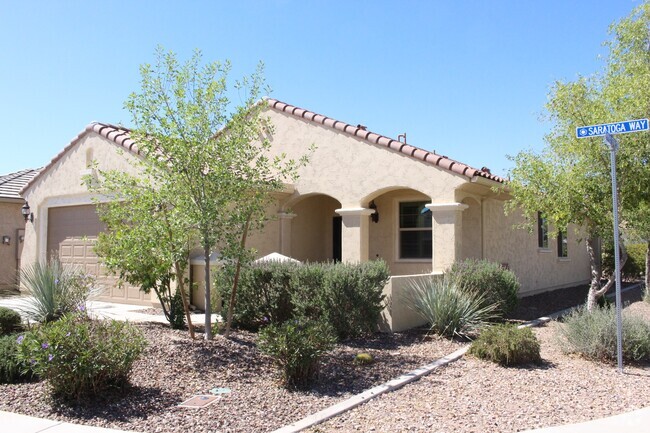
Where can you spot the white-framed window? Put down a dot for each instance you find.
(415, 236)
(542, 231)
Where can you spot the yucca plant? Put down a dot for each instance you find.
(449, 310)
(54, 290)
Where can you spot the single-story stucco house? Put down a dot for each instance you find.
(362, 196)
(12, 225)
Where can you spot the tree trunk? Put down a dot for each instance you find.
(186, 304)
(595, 290)
(647, 266)
(233, 292)
(208, 307)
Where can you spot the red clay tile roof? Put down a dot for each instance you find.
(11, 184)
(361, 132)
(121, 136)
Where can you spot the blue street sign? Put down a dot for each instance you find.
(612, 128)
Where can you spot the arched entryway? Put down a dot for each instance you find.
(315, 229)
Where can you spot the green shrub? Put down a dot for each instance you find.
(593, 335)
(507, 345)
(12, 370)
(348, 296)
(55, 290)
(498, 285)
(10, 321)
(449, 310)
(81, 357)
(634, 266)
(296, 347)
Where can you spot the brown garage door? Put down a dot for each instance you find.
(72, 233)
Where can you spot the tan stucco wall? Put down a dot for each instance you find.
(398, 315)
(311, 229)
(11, 222)
(537, 269)
(351, 170)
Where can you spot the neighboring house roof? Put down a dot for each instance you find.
(121, 136)
(11, 184)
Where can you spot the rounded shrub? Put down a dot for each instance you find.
(496, 284)
(506, 344)
(12, 369)
(10, 321)
(448, 310)
(592, 334)
(296, 347)
(363, 359)
(634, 266)
(81, 357)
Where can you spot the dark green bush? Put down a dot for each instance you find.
(449, 310)
(10, 321)
(498, 285)
(176, 311)
(81, 357)
(349, 297)
(12, 370)
(296, 347)
(507, 345)
(634, 266)
(593, 335)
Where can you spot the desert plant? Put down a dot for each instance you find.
(10, 321)
(81, 357)
(449, 310)
(12, 370)
(506, 344)
(497, 285)
(296, 347)
(54, 290)
(176, 311)
(363, 359)
(593, 335)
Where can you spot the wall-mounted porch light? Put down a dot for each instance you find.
(27, 214)
(6, 240)
(374, 216)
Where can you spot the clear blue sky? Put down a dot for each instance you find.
(466, 78)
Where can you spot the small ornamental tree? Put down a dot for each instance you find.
(570, 179)
(206, 162)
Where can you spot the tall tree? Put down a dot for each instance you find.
(211, 156)
(569, 179)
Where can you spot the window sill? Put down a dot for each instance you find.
(544, 250)
(413, 260)
(563, 259)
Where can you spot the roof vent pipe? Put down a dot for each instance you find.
(399, 138)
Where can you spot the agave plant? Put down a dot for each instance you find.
(54, 290)
(449, 310)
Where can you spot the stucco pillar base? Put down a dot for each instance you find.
(354, 233)
(285, 232)
(447, 234)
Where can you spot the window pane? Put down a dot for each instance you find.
(415, 244)
(411, 216)
(562, 244)
(542, 231)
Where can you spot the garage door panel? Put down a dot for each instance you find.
(72, 234)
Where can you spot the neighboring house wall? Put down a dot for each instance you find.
(12, 224)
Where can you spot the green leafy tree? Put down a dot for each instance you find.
(212, 159)
(570, 179)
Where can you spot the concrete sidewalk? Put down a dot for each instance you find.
(637, 421)
(16, 423)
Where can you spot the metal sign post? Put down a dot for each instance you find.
(607, 130)
(613, 147)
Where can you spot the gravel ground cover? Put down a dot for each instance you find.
(467, 396)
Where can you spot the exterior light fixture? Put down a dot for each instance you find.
(29, 216)
(6, 240)
(374, 216)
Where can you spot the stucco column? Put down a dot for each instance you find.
(447, 234)
(285, 232)
(354, 233)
